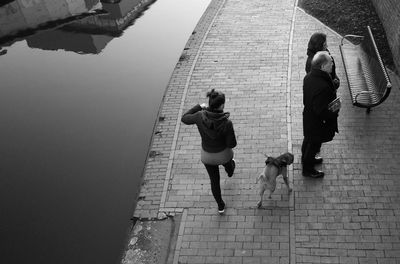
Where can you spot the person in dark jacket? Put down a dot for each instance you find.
(317, 43)
(217, 139)
(319, 121)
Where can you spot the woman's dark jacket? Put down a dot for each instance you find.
(319, 124)
(216, 130)
(310, 56)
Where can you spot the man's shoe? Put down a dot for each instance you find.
(313, 174)
(221, 209)
(233, 168)
(318, 160)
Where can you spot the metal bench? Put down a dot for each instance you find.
(368, 81)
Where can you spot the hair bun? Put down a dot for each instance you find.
(216, 99)
(212, 93)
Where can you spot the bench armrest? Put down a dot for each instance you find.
(351, 36)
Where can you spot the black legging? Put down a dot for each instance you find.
(213, 173)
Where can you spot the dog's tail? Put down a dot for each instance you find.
(259, 177)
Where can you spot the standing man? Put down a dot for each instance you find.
(319, 118)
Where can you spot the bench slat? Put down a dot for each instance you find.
(353, 69)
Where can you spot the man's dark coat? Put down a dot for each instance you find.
(319, 124)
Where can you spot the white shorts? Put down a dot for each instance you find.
(218, 158)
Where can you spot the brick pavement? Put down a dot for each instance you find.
(254, 51)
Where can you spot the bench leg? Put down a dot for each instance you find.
(368, 110)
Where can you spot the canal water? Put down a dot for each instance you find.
(81, 82)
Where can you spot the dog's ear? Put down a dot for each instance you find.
(269, 160)
(258, 178)
(287, 159)
(291, 157)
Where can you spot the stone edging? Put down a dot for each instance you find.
(292, 230)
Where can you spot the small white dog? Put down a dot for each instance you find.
(273, 168)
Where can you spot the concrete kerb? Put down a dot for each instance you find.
(288, 98)
(319, 22)
(180, 236)
(292, 230)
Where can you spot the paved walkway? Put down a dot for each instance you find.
(254, 51)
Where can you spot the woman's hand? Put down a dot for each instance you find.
(336, 82)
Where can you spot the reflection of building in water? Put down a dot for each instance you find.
(70, 41)
(91, 34)
(120, 15)
(22, 15)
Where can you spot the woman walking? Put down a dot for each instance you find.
(217, 140)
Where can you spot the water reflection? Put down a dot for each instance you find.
(23, 17)
(83, 26)
(92, 34)
(79, 96)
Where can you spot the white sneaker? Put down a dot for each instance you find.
(221, 210)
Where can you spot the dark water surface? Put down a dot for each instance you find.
(77, 108)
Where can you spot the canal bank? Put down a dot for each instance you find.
(255, 52)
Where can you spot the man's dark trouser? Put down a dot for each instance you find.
(309, 149)
(213, 173)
